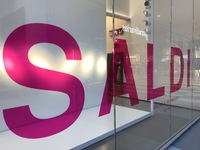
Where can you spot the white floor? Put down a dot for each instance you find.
(88, 129)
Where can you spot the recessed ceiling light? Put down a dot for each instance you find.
(158, 16)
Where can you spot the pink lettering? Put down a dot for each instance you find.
(21, 121)
(111, 88)
(20, 70)
(188, 69)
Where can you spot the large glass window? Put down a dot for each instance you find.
(101, 74)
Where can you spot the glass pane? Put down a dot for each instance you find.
(132, 75)
(195, 63)
(162, 68)
(181, 43)
(53, 74)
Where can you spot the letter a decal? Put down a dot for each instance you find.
(112, 88)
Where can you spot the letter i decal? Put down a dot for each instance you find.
(188, 69)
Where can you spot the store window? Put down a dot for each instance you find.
(118, 72)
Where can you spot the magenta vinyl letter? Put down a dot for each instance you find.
(188, 69)
(15, 56)
(113, 89)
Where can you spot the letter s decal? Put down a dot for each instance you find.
(15, 56)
